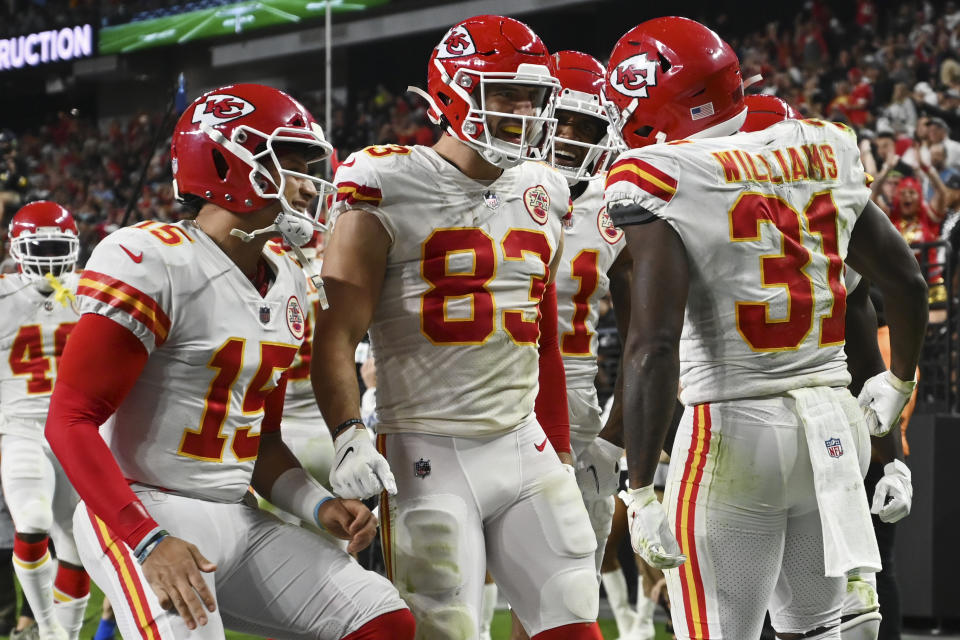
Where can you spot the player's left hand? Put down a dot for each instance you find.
(650, 534)
(598, 469)
(883, 397)
(897, 487)
(348, 520)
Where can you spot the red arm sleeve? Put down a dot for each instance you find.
(100, 363)
(551, 405)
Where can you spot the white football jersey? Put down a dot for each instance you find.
(591, 244)
(191, 422)
(33, 331)
(456, 328)
(765, 218)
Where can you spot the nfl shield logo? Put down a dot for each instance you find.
(265, 315)
(421, 468)
(834, 448)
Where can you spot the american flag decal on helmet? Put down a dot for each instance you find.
(703, 111)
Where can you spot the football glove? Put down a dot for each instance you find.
(359, 471)
(598, 469)
(649, 533)
(883, 397)
(895, 486)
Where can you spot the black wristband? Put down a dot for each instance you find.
(346, 424)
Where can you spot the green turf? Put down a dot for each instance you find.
(237, 17)
(500, 629)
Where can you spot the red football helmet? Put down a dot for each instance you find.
(486, 50)
(581, 91)
(224, 143)
(43, 239)
(673, 78)
(764, 110)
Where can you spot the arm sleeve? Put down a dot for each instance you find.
(551, 405)
(100, 364)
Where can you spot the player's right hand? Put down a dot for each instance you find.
(173, 571)
(359, 471)
(349, 520)
(598, 469)
(883, 398)
(650, 534)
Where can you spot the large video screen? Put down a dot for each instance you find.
(216, 18)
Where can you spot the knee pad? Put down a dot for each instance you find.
(859, 598)
(560, 509)
(429, 546)
(447, 623)
(33, 515)
(865, 626)
(573, 593)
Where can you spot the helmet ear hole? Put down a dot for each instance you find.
(220, 164)
(644, 132)
(444, 98)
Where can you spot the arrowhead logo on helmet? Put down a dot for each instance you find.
(220, 108)
(456, 43)
(632, 76)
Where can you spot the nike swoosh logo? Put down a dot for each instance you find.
(345, 454)
(138, 258)
(596, 479)
(541, 445)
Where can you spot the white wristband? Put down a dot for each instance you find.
(299, 494)
(904, 387)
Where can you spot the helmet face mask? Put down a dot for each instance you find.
(581, 96)
(473, 60)
(43, 239)
(228, 148)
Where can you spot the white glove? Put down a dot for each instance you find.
(896, 486)
(598, 469)
(882, 398)
(359, 471)
(649, 533)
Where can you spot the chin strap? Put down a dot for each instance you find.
(292, 233)
(61, 294)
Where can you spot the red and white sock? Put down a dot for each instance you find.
(71, 591)
(35, 569)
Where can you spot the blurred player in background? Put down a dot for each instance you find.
(771, 440)
(186, 335)
(38, 310)
(447, 254)
(304, 432)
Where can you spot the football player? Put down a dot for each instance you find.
(186, 333)
(594, 263)
(861, 619)
(739, 245)
(447, 255)
(38, 310)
